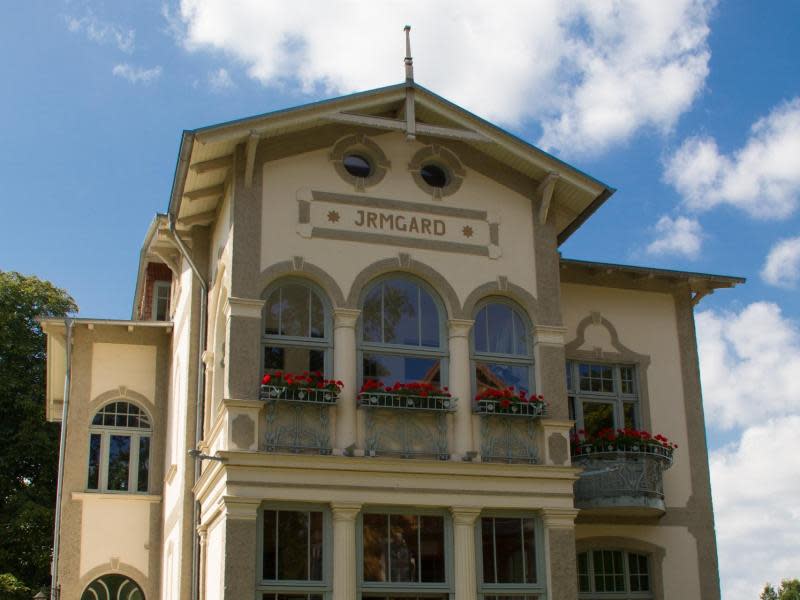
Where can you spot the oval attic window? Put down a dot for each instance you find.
(357, 165)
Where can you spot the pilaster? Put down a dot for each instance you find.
(460, 385)
(464, 518)
(241, 546)
(344, 550)
(550, 361)
(559, 533)
(344, 370)
(243, 348)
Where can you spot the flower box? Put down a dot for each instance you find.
(406, 396)
(303, 387)
(631, 442)
(509, 401)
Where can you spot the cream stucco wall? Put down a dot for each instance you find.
(646, 324)
(343, 260)
(128, 365)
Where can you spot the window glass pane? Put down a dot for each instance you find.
(501, 338)
(376, 547)
(500, 376)
(583, 572)
(389, 369)
(639, 576)
(273, 307)
(508, 550)
(295, 310)
(432, 549)
(596, 378)
(626, 377)
(119, 456)
(529, 537)
(571, 407)
(520, 334)
(316, 550)
(293, 360)
(480, 331)
(608, 574)
(317, 317)
(487, 538)
(569, 377)
(93, 480)
(291, 596)
(270, 558)
(400, 312)
(631, 422)
(293, 546)
(430, 320)
(597, 416)
(371, 315)
(144, 464)
(403, 548)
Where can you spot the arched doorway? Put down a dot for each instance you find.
(113, 587)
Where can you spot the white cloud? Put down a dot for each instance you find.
(762, 177)
(756, 486)
(782, 267)
(137, 74)
(749, 363)
(681, 235)
(220, 80)
(592, 73)
(103, 32)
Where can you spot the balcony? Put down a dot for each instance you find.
(298, 419)
(508, 430)
(626, 481)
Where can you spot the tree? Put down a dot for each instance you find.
(789, 590)
(28, 445)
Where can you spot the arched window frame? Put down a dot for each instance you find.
(441, 352)
(628, 593)
(100, 437)
(325, 343)
(503, 358)
(112, 586)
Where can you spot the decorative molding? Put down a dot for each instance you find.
(545, 193)
(444, 158)
(459, 327)
(127, 496)
(559, 518)
(464, 515)
(391, 204)
(362, 145)
(345, 511)
(244, 509)
(345, 317)
(243, 307)
(309, 271)
(551, 335)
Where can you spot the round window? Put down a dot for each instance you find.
(357, 165)
(434, 175)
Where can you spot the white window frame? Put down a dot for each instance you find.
(617, 398)
(626, 595)
(158, 286)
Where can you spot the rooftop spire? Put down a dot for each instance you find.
(409, 61)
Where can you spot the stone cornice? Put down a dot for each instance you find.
(243, 307)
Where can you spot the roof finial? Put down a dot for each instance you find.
(409, 61)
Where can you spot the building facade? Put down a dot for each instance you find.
(358, 367)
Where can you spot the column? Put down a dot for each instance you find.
(243, 348)
(344, 370)
(464, 552)
(551, 378)
(344, 550)
(559, 534)
(461, 385)
(241, 546)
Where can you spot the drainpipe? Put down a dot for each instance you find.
(201, 392)
(55, 590)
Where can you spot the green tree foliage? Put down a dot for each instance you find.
(789, 590)
(28, 445)
(12, 588)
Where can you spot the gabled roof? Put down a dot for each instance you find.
(206, 154)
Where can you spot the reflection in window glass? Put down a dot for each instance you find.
(500, 351)
(119, 449)
(604, 572)
(93, 481)
(295, 310)
(293, 546)
(597, 416)
(605, 396)
(144, 464)
(293, 359)
(403, 548)
(389, 369)
(509, 550)
(119, 456)
(498, 376)
(400, 311)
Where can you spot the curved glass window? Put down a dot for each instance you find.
(112, 587)
(401, 337)
(613, 573)
(119, 449)
(296, 334)
(501, 348)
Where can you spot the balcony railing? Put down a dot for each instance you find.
(508, 433)
(297, 419)
(627, 480)
(405, 425)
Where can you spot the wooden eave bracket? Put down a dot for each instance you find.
(211, 192)
(545, 194)
(170, 258)
(252, 146)
(403, 125)
(202, 219)
(215, 164)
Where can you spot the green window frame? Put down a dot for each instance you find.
(484, 349)
(405, 590)
(530, 574)
(120, 449)
(429, 306)
(285, 338)
(611, 389)
(608, 573)
(312, 587)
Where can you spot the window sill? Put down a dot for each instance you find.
(138, 496)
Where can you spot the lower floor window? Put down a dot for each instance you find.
(601, 572)
(290, 596)
(510, 557)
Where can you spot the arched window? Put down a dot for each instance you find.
(613, 573)
(297, 331)
(401, 333)
(119, 449)
(112, 587)
(501, 349)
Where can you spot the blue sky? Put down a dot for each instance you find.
(660, 106)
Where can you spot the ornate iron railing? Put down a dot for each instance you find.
(297, 419)
(622, 479)
(517, 409)
(406, 426)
